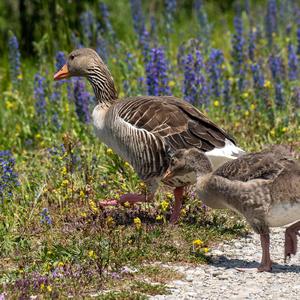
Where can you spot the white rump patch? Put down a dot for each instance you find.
(283, 214)
(219, 156)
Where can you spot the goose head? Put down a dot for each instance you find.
(85, 62)
(81, 62)
(186, 161)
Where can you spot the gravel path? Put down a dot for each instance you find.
(220, 279)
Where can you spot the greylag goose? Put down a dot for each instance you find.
(145, 130)
(264, 187)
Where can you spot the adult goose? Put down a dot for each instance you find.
(145, 130)
(264, 187)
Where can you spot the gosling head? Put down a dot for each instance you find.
(187, 161)
(81, 62)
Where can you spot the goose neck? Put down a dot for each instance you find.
(103, 86)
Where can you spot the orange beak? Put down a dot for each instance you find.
(168, 175)
(62, 73)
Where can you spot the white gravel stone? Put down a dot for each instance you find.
(221, 280)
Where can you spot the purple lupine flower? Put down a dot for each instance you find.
(14, 59)
(279, 97)
(271, 21)
(45, 217)
(202, 19)
(8, 177)
(296, 97)
(257, 75)
(216, 59)
(40, 98)
(226, 94)
(75, 40)
(157, 73)
(298, 39)
(82, 99)
(144, 40)
(194, 84)
(170, 8)
(251, 45)
(137, 16)
(292, 62)
(101, 47)
(238, 52)
(276, 67)
(153, 27)
(60, 60)
(128, 70)
(106, 19)
(87, 22)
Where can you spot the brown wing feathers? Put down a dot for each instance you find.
(178, 123)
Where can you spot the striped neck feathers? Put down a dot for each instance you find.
(103, 85)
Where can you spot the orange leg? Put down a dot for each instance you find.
(130, 198)
(178, 194)
(290, 246)
(266, 263)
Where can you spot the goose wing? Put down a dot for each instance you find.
(179, 124)
(260, 165)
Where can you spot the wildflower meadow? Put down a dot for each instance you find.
(237, 61)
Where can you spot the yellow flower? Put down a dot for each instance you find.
(159, 217)
(121, 95)
(272, 132)
(164, 205)
(42, 286)
(246, 113)
(65, 182)
(172, 83)
(142, 185)
(81, 194)
(20, 76)
(83, 214)
(216, 103)
(92, 254)
(93, 206)
(127, 165)
(137, 222)
(169, 196)
(114, 60)
(237, 124)
(254, 29)
(245, 95)
(67, 107)
(63, 171)
(109, 151)
(284, 129)
(110, 221)
(252, 106)
(126, 204)
(37, 136)
(60, 264)
(205, 250)
(183, 212)
(49, 288)
(9, 105)
(267, 84)
(197, 243)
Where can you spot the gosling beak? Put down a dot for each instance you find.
(168, 175)
(62, 73)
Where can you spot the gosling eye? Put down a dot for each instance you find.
(72, 56)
